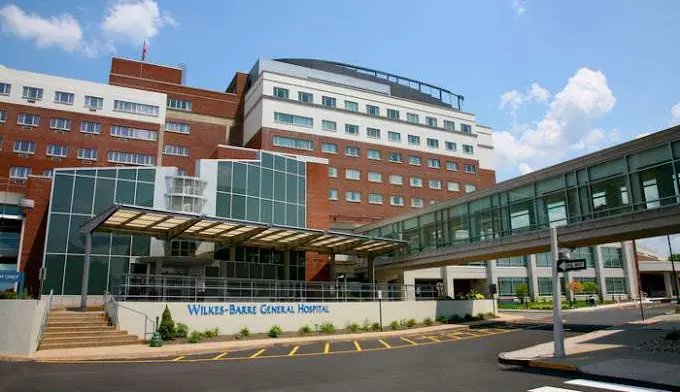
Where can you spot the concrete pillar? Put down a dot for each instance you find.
(491, 276)
(447, 280)
(629, 269)
(533, 279)
(232, 253)
(371, 270)
(332, 270)
(668, 284)
(158, 267)
(599, 272)
(286, 265)
(86, 271)
(409, 281)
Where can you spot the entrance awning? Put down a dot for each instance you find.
(168, 225)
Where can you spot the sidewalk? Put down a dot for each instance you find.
(614, 353)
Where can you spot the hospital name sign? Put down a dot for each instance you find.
(249, 310)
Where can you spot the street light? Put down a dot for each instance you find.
(675, 277)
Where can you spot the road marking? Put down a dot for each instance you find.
(178, 358)
(327, 348)
(454, 337)
(408, 341)
(293, 351)
(432, 338)
(357, 346)
(610, 386)
(552, 389)
(220, 356)
(384, 343)
(257, 354)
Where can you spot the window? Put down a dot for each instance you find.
(397, 201)
(176, 127)
(414, 140)
(372, 110)
(90, 127)
(465, 128)
(393, 114)
(332, 172)
(545, 286)
(289, 142)
(432, 143)
(417, 202)
(5, 88)
(396, 179)
(63, 97)
(281, 92)
(139, 108)
(416, 182)
(62, 124)
(55, 150)
(330, 126)
(412, 118)
(32, 93)
(293, 119)
(374, 154)
(470, 188)
(394, 136)
(332, 194)
(431, 121)
(373, 133)
(471, 169)
(305, 97)
(395, 157)
(3, 116)
(352, 129)
(450, 146)
(328, 101)
(329, 148)
(19, 173)
(32, 120)
(434, 163)
(351, 106)
(435, 184)
(24, 147)
(375, 198)
(133, 133)
(468, 149)
(88, 154)
(615, 285)
(354, 197)
(94, 102)
(352, 151)
(414, 160)
(449, 125)
(352, 174)
(374, 177)
(507, 286)
(612, 257)
(452, 166)
(181, 151)
(176, 104)
(453, 187)
(130, 158)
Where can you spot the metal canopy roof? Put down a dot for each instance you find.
(231, 232)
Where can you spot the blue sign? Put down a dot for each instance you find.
(11, 276)
(250, 310)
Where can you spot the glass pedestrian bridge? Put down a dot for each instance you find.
(624, 192)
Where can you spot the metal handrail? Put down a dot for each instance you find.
(43, 322)
(109, 297)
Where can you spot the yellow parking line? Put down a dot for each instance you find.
(257, 354)
(454, 337)
(327, 348)
(293, 351)
(384, 343)
(408, 341)
(357, 346)
(432, 338)
(178, 358)
(220, 356)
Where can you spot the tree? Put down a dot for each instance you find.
(674, 257)
(167, 327)
(574, 287)
(590, 287)
(521, 291)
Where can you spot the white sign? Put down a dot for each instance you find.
(379, 294)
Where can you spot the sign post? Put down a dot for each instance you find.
(380, 308)
(558, 328)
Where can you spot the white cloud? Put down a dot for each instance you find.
(524, 168)
(675, 112)
(135, 21)
(520, 7)
(62, 31)
(513, 99)
(538, 93)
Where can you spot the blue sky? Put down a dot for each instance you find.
(554, 79)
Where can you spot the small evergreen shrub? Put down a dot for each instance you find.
(275, 331)
(245, 332)
(365, 326)
(375, 327)
(305, 329)
(211, 333)
(442, 319)
(353, 327)
(327, 328)
(454, 319)
(468, 317)
(195, 337)
(411, 323)
(181, 330)
(167, 327)
(428, 321)
(394, 325)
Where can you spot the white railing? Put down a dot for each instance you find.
(43, 322)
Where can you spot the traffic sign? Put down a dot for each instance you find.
(571, 265)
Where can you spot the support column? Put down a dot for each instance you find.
(158, 267)
(371, 270)
(447, 280)
(232, 253)
(599, 272)
(86, 271)
(491, 276)
(332, 271)
(629, 270)
(533, 279)
(286, 265)
(668, 284)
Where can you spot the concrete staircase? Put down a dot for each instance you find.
(71, 329)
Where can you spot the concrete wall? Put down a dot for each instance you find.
(19, 326)
(129, 316)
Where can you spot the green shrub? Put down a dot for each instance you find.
(211, 333)
(365, 326)
(375, 327)
(489, 315)
(305, 329)
(353, 327)
(411, 323)
(443, 319)
(454, 319)
(181, 330)
(394, 325)
(427, 321)
(195, 337)
(480, 316)
(327, 328)
(245, 332)
(468, 317)
(402, 323)
(274, 331)
(167, 327)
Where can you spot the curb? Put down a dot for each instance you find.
(8, 358)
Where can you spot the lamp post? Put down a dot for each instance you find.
(675, 277)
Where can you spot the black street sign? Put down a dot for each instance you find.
(571, 265)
